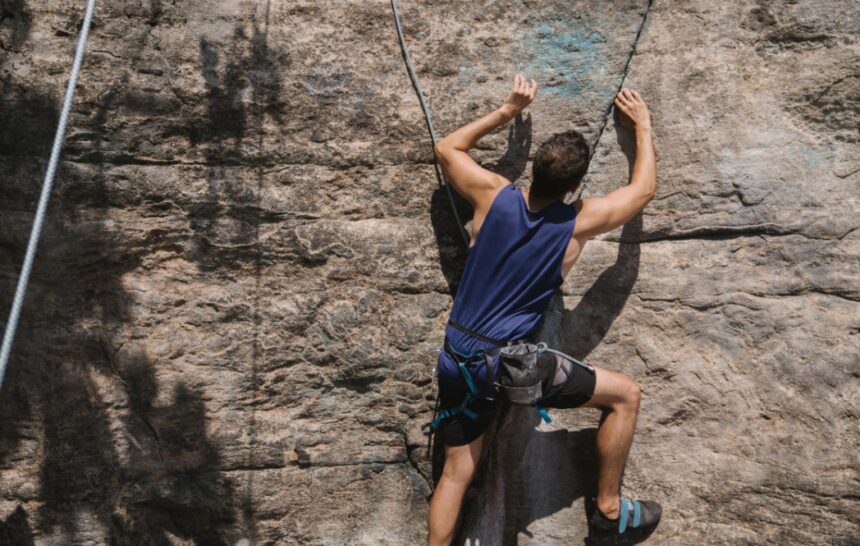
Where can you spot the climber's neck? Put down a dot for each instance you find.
(537, 203)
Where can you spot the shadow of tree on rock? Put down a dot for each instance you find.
(230, 135)
(83, 413)
(15, 529)
(15, 24)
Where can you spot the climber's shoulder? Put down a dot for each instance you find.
(472, 181)
(486, 194)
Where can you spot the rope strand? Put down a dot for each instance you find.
(427, 119)
(39, 220)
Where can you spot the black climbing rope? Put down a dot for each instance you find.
(417, 85)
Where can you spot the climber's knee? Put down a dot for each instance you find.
(632, 394)
(615, 391)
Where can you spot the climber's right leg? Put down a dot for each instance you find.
(461, 463)
(618, 396)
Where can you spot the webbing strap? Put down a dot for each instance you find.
(637, 513)
(625, 508)
(470, 383)
(469, 413)
(450, 412)
(41, 209)
(479, 354)
(543, 413)
(444, 414)
(473, 394)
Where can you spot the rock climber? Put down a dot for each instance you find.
(523, 243)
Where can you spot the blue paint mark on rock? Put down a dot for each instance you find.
(568, 58)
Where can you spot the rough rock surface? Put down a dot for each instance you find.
(230, 330)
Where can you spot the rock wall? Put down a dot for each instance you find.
(233, 319)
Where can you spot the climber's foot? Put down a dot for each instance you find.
(632, 514)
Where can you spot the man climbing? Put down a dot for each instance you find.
(524, 242)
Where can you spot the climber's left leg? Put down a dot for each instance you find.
(460, 465)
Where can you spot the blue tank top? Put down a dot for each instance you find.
(512, 270)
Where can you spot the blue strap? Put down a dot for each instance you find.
(468, 413)
(464, 356)
(622, 521)
(543, 413)
(637, 513)
(468, 377)
(450, 412)
(444, 414)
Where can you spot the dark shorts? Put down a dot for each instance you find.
(572, 386)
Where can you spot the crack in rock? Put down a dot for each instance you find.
(624, 73)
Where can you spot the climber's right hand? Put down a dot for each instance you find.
(521, 95)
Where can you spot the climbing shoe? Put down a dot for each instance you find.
(634, 514)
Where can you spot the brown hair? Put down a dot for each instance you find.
(559, 165)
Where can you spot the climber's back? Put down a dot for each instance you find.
(512, 270)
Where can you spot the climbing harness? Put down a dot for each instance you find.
(523, 368)
(427, 119)
(519, 377)
(38, 221)
(462, 360)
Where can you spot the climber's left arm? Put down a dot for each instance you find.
(476, 184)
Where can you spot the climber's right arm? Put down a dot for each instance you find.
(606, 213)
(477, 184)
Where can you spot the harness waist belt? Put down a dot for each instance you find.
(476, 335)
(473, 357)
